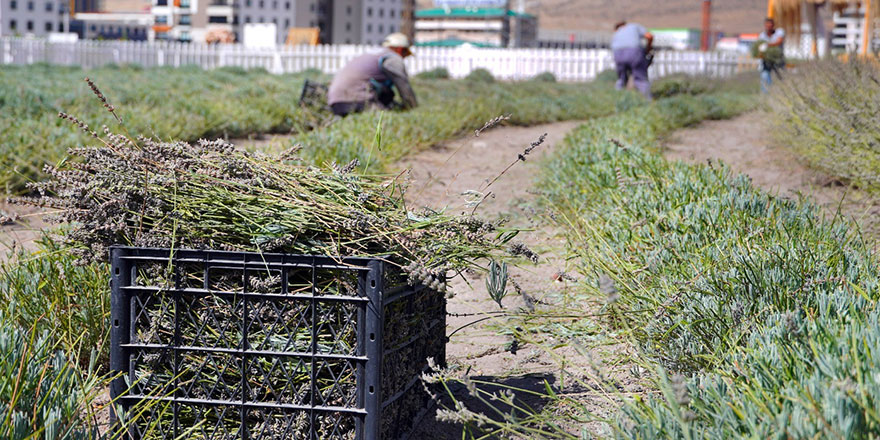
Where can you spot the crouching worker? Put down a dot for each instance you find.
(369, 80)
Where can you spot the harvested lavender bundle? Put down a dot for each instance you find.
(211, 195)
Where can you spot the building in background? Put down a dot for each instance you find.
(480, 26)
(338, 21)
(677, 38)
(570, 39)
(32, 17)
(847, 34)
(117, 20)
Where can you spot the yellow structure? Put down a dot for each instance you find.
(300, 36)
(788, 14)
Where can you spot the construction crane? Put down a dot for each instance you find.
(788, 14)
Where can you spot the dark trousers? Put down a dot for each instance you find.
(632, 61)
(347, 108)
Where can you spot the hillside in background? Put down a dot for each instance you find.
(730, 16)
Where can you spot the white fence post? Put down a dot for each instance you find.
(7, 52)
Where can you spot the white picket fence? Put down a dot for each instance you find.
(509, 64)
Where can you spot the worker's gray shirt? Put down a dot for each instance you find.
(629, 36)
(778, 35)
(352, 83)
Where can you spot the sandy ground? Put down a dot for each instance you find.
(22, 233)
(746, 146)
(440, 176)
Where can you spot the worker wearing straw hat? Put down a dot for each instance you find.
(631, 57)
(369, 80)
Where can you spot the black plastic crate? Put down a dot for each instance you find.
(236, 345)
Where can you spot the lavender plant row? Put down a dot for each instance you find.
(760, 313)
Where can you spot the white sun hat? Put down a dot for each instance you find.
(397, 39)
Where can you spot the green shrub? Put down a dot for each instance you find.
(48, 291)
(42, 394)
(185, 103)
(608, 76)
(769, 310)
(436, 73)
(452, 108)
(680, 85)
(480, 76)
(826, 112)
(545, 77)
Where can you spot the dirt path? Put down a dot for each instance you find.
(23, 228)
(439, 179)
(745, 144)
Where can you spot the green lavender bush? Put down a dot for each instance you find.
(185, 103)
(188, 104)
(42, 393)
(453, 108)
(48, 291)
(758, 314)
(827, 113)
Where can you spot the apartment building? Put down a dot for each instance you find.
(338, 21)
(479, 26)
(117, 20)
(284, 14)
(32, 17)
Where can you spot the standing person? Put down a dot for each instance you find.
(630, 56)
(368, 81)
(770, 50)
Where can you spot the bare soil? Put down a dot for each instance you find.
(22, 233)
(747, 146)
(441, 179)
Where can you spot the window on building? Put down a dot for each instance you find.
(185, 19)
(48, 6)
(381, 29)
(262, 4)
(391, 29)
(248, 3)
(218, 19)
(348, 10)
(30, 25)
(48, 26)
(160, 19)
(391, 13)
(94, 28)
(161, 2)
(348, 41)
(369, 12)
(30, 6)
(13, 5)
(247, 19)
(60, 27)
(381, 12)
(12, 24)
(312, 7)
(369, 27)
(274, 4)
(348, 27)
(286, 23)
(184, 3)
(287, 5)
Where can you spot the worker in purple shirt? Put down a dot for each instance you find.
(369, 80)
(630, 56)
